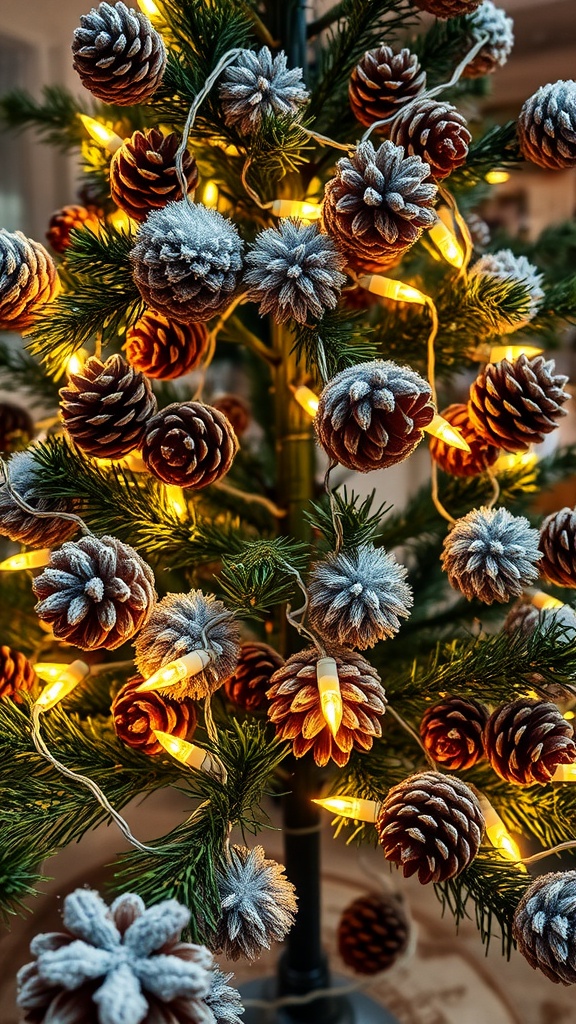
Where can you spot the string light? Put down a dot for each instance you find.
(120, 220)
(515, 460)
(75, 362)
(133, 462)
(497, 177)
(104, 136)
(446, 242)
(565, 772)
(27, 560)
(351, 807)
(49, 671)
(173, 673)
(511, 352)
(210, 194)
(62, 685)
(191, 755)
(149, 8)
(388, 288)
(296, 208)
(544, 602)
(440, 428)
(498, 834)
(329, 690)
(176, 500)
(307, 399)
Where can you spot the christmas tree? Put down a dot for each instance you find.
(290, 205)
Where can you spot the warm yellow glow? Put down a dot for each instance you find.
(173, 673)
(75, 364)
(26, 560)
(545, 602)
(351, 807)
(49, 671)
(568, 715)
(447, 243)
(307, 399)
(68, 680)
(133, 461)
(440, 428)
(210, 194)
(329, 690)
(120, 220)
(104, 136)
(387, 288)
(497, 832)
(497, 177)
(511, 352)
(149, 8)
(176, 500)
(515, 460)
(296, 208)
(191, 755)
(565, 772)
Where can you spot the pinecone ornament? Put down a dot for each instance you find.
(435, 131)
(96, 592)
(373, 932)
(143, 172)
(106, 406)
(296, 713)
(547, 126)
(452, 732)
(526, 740)
(68, 219)
(16, 427)
(515, 404)
(236, 411)
(28, 280)
(18, 524)
(118, 55)
(163, 349)
(372, 415)
(505, 266)
(489, 20)
(258, 86)
(447, 8)
(378, 204)
(431, 824)
(16, 673)
(186, 261)
(258, 903)
(453, 460)
(544, 926)
(561, 621)
(136, 715)
(558, 547)
(383, 81)
(189, 444)
(250, 681)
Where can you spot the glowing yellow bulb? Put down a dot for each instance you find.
(568, 715)
(444, 431)
(176, 500)
(104, 136)
(515, 460)
(447, 244)
(497, 177)
(120, 220)
(133, 462)
(545, 602)
(61, 687)
(75, 364)
(210, 194)
(498, 834)
(173, 673)
(49, 671)
(149, 8)
(307, 399)
(565, 772)
(296, 208)
(351, 807)
(191, 755)
(27, 560)
(329, 690)
(511, 352)
(387, 288)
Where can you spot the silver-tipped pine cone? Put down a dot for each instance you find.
(435, 131)
(527, 740)
(28, 280)
(452, 732)
(258, 86)
(189, 444)
(382, 82)
(489, 20)
(544, 926)
(505, 266)
(258, 903)
(143, 172)
(558, 547)
(547, 126)
(24, 527)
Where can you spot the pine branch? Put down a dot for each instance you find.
(441, 47)
(497, 148)
(337, 341)
(358, 522)
(261, 574)
(20, 372)
(19, 878)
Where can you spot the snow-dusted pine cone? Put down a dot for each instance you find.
(20, 525)
(547, 126)
(250, 681)
(447, 8)
(189, 444)
(544, 926)
(373, 932)
(524, 616)
(258, 903)
(28, 280)
(68, 219)
(505, 266)
(258, 86)
(16, 672)
(118, 55)
(558, 547)
(489, 20)
(236, 411)
(456, 461)
(526, 740)
(136, 715)
(435, 131)
(16, 427)
(431, 824)
(452, 731)
(383, 81)
(143, 172)
(163, 349)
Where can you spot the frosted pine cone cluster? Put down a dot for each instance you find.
(18, 524)
(257, 86)
(258, 903)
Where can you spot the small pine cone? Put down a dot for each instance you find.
(452, 732)
(547, 126)
(372, 415)
(447, 8)
(258, 86)
(296, 713)
(526, 741)
(189, 444)
(455, 461)
(106, 406)
(22, 526)
(544, 926)
(136, 715)
(28, 280)
(373, 932)
(236, 410)
(16, 427)
(143, 172)
(250, 681)
(435, 131)
(558, 547)
(68, 219)
(489, 20)
(163, 349)
(515, 404)
(431, 824)
(118, 55)
(524, 616)
(382, 82)
(95, 592)
(258, 903)
(505, 266)
(16, 673)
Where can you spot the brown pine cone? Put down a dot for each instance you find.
(16, 427)
(250, 681)
(547, 126)
(189, 444)
(526, 741)
(295, 707)
(163, 349)
(435, 131)
(28, 280)
(136, 715)
(515, 404)
(236, 410)
(373, 932)
(68, 219)
(143, 172)
(455, 461)
(447, 8)
(558, 547)
(431, 824)
(22, 526)
(452, 731)
(382, 82)
(105, 407)
(16, 672)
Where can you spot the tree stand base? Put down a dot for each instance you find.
(355, 1008)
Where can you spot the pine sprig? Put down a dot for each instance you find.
(340, 339)
(359, 524)
(497, 148)
(263, 573)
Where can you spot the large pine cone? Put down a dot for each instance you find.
(382, 82)
(435, 131)
(452, 732)
(558, 547)
(136, 715)
(250, 681)
(96, 592)
(189, 444)
(295, 707)
(118, 55)
(28, 280)
(20, 525)
(143, 172)
(16, 427)
(372, 415)
(373, 932)
(106, 406)
(431, 824)
(544, 926)
(547, 126)
(69, 219)
(515, 404)
(164, 349)
(16, 672)
(456, 461)
(526, 741)
(447, 8)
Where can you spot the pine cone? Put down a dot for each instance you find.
(526, 741)
(431, 824)
(558, 547)
(106, 406)
(547, 126)
(452, 732)
(248, 684)
(163, 349)
(455, 461)
(22, 526)
(372, 415)
(491, 21)
(296, 713)
(561, 621)
(68, 219)
(479, 230)
(383, 81)
(544, 926)
(435, 131)
(258, 903)
(447, 8)
(515, 404)
(16, 427)
(136, 715)
(505, 266)
(118, 55)
(96, 592)
(258, 86)
(28, 280)
(143, 172)
(16, 673)
(378, 204)
(373, 932)
(189, 444)
(236, 410)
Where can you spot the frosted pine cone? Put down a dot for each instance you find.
(236, 411)
(491, 555)
(526, 741)
(456, 461)
(68, 219)
(491, 21)
(258, 903)
(431, 824)
(452, 732)
(137, 715)
(22, 526)
(143, 172)
(250, 681)
(95, 592)
(384, 81)
(372, 415)
(163, 349)
(189, 444)
(28, 280)
(547, 126)
(16, 673)
(561, 621)
(16, 428)
(508, 267)
(544, 925)
(118, 55)
(373, 932)
(447, 8)
(258, 86)
(558, 547)
(435, 131)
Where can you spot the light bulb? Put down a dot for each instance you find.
(388, 288)
(351, 807)
(149, 8)
(49, 671)
(176, 500)
(329, 690)
(296, 208)
(191, 755)
(120, 220)
(498, 834)
(210, 194)
(497, 177)
(171, 674)
(75, 362)
(104, 136)
(545, 602)
(27, 560)
(515, 460)
(307, 399)
(444, 431)
(511, 352)
(447, 244)
(61, 687)
(565, 772)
